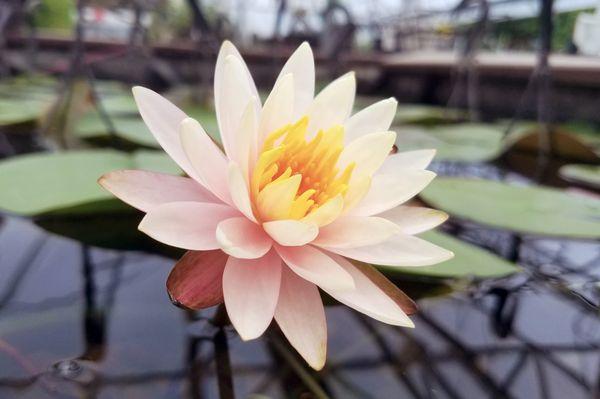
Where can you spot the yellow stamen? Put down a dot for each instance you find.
(286, 153)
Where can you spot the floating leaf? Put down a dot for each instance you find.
(130, 130)
(466, 142)
(588, 175)
(469, 261)
(417, 114)
(65, 182)
(533, 210)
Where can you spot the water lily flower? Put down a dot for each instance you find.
(304, 195)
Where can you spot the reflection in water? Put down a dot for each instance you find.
(77, 321)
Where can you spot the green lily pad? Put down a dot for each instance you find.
(417, 114)
(465, 142)
(131, 130)
(120, 104)
(530, 210)
(588, 175)
(469, 261)
(21, 110)
(65, 182)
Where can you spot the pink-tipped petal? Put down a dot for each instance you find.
(333, 105)
(414, 219)
(389, 191)
(400, 250)
(374, 295)
(251, 290)
(301, 317)
(301, 65)
(355, 231)
(187, 225)
(145, 190)
(315, 266)
(291, 232)
(418, 159)
(241, 238)
(375, 118)
(206, 158)
(163, 119)
(195, 281)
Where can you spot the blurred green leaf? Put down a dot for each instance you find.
(466, 142)
(66, 182)
(469, 261)
(588, 175)
(532, 210)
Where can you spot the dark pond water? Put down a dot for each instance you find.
(82, 322)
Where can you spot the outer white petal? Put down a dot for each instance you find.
(241, 238)
(418, 159)
(227, 49)
(375, 118)
(246, 139)
(355, 231)
(239, 191)
(291, 232)
(187, 225)
(235, 92)
(400, 250)
(414, 219)
(163, 119)
(251, 292)
(146, 190)
(207, 159)
(333, 105)
(314, 265)
(301, 65)
(389, 191)
(369, 298)
(301, 317)
(368, 152)
(278, 110)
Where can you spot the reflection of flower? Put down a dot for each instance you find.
(301, 187)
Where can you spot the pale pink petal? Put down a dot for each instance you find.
(241, 238)
(333, 105)
(251, 290)
(246, 139)
(188, 225)
(278, 110)
(400, 250)
(301, 65)
(163, 119)
(315, 266)
(301, 317)
(375, 118)
(369, 298)
(327, 212)
(145, 190)
(389, 191)
(418, 159)
(234, 93)
(367, 152)
(195, 281)
(291, 232)
(355, 231)
(239, 191)
(206, 158)
(414, 219)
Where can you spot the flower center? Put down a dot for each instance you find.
(297, 174)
